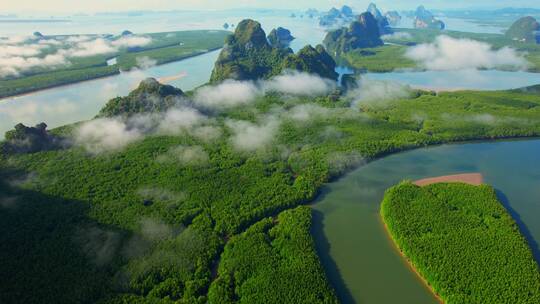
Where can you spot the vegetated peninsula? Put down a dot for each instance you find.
(248, 55)
(81, 62)
(463, 242)
(525, 29)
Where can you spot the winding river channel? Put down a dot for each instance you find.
(362, 263)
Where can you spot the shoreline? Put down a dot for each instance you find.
(410, 265)
(31, 92)
(474, 179)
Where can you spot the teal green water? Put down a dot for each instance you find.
(362, 263)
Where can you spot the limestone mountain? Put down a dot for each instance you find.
(393, 17)
(382, 21)
(526, 29)
(248, 55)
(337, 17)
(313, 61)
(424, 19)
(363, 33)
(280, 37)
(149, 97)
(23, 139)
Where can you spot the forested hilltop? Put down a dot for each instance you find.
(199, 201)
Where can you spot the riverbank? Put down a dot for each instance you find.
(408, 262)
(74, 81)
(475, 179)
(464, 260)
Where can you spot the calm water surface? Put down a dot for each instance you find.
(461, 80)
(362, 263)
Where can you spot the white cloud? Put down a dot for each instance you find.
(448, 53)
(186, 155)
(179, 120)
(307, 112)
(397, 35)
(145, 62)
(296, 83)
(105, 134)
(228, 94)
(22, 54)
(233, 93)
(131, 41)
(249, 137)
(377, 92)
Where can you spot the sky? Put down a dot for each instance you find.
(85, 6)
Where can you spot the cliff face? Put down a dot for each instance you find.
(23, 139)
(363, 33)
(335, 17)
(150, 97)
(393, 17)
(382, 21)
(525, 29)
(248, 55)
(424, 19)
(313, 61)
(280, 37)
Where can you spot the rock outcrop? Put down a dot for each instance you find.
(280, 37)
(393, 18)
(337, 18)
(384, 25)
(525, 29)
(424, 19)
(23, 139)
(363, 33)
(149, 97)
(248, 55)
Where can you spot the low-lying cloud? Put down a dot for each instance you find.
(112, 134)
(27, 53)
(230, 93)
(233, 93)
(296, 83)
(377, 92)
(397, 35)
(105, 134)
(248, 137)
(448, 53)
(186, 155)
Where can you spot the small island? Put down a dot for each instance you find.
(461, 241)
(525, 29)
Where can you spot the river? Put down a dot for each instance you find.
(362, 263)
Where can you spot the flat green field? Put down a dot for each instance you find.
(463, 242)
(164, 48)
(183, 217)
(392, 56)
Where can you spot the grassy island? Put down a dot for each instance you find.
(463, 242)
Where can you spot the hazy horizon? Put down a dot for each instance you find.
(95, 6)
